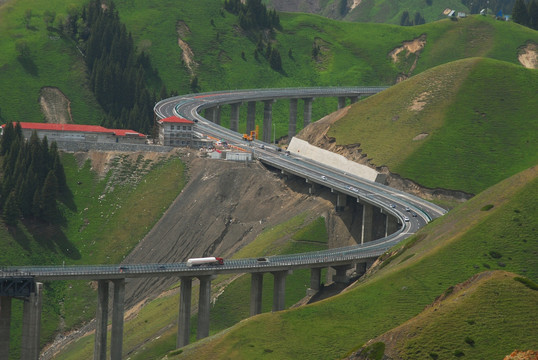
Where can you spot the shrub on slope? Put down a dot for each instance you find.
(450, 250)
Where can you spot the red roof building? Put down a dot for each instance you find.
(75, 132)
(176, 131)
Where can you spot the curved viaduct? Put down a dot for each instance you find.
(395, 206)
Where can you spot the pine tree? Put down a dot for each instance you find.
(48, 197)
(7, 138)
(519, 13)
(533, 14)
(11, 213)
(275, 60)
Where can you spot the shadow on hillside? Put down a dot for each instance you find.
(20, 237)
(52, 238)
(29, 65)
(68, 200)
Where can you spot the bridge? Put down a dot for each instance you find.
(392, 205)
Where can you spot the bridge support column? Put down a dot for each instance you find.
(101, 317)
(360, 269)
(234, 117)
(216, 115)
(31, 324)
(391, 225)
(315, 281)
(184, 320)
(292, 125)
(209, 114)
(341, 102)
(341, 201)
(213, 114)
(251, 116)
(367, 222)
(353, 99)
(279, 290)
(256, 287)
(267, 120)
(312, 189)
(204, 305)
(307, 112)
(340, 276)
(5, 325)
(118, 305)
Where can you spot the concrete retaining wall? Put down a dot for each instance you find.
(303, 148)
(73, 146)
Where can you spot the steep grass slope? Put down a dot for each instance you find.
(494, 230)
(103, 222)
(465, 125)
(461, 323)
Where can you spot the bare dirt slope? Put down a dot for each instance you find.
(55, 106)
(224, 206)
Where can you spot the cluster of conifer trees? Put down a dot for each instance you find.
(253, 15)
(33, 177)
(526, 14)
(118, 76)
(406, 20)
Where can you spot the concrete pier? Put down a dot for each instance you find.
(209, 113)
(204, 305)
(234, 116)
(118, 305)
(256, 288)
(101, 317)
(279, 290)
(341, 202)
(213, 114)
(268, 121)
(341, 102)
(315, 281)
(341, 276)
(251, 116)
(353, 99)
(31, 324)
(367, 222)
(391, 225)
(292, 125)
(5, 325)
(360, 268)
(184, 319)
(307, 111)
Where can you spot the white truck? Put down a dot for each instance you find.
(205, 261)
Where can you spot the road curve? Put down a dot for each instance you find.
(392, 201)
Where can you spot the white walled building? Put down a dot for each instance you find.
(176, 131)
(87, 133)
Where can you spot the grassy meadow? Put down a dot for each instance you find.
(479, 116)
(493, 231)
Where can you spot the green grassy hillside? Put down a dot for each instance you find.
(105, 220)
(494, 230)
(476, 333)
(479, 116)
(351, 53)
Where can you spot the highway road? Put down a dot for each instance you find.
(392, 201)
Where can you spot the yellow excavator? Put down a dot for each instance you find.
(253, 135)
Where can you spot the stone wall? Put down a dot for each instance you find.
(74, 146)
